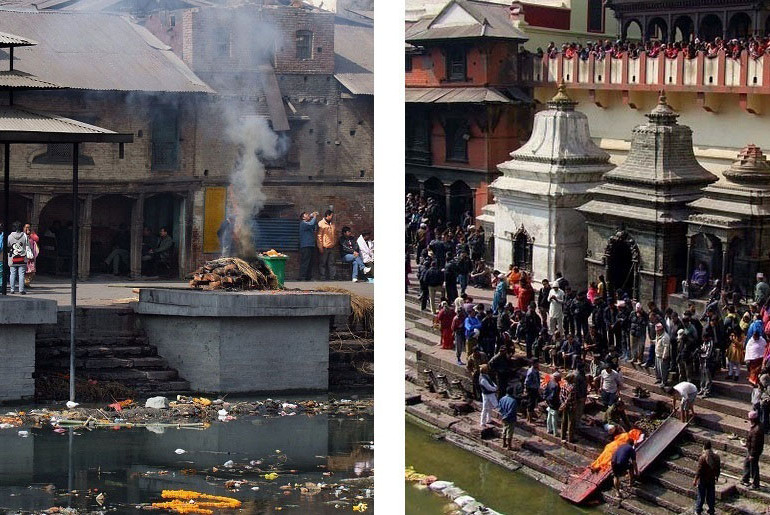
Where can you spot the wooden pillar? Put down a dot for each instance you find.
(448, 201)
(38, 202)
(137, 224)
(725, 245)
(84, 253)
(687, 269)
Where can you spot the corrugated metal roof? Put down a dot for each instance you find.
(455, 95)
(15, 79)
(23, 124)
(354, 56)
(97, 52)
(490, 20)
(9, 40)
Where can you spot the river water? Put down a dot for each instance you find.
(131, 466)
(500, 489)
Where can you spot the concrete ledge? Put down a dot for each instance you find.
(194, 303)
(18, 310)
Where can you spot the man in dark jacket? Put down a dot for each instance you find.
(709, 468)
(450, 278)
(581, 310)
(349, 252)
(532, 325)
(755, 444)
(543, 304)
(614, 326)
(434, 280)
(569, 315)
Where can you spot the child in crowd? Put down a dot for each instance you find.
(735, 356)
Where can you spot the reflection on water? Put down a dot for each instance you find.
(492, 485)
(132, 466)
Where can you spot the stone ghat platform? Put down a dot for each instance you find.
(665, 488)
(243, 342)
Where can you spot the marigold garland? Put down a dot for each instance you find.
(187, 501)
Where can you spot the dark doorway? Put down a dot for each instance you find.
(620, 267)
(55, 232)
(683, 29)
(657, 29)
(167, 210)
(412, 184)
(706, 249)
(710, 27)
(633, 30)
(460, 201)
(740, 26)
(522, 251)
(111, 215)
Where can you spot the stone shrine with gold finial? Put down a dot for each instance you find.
(536, 224)
(637, 218)
(730, 225)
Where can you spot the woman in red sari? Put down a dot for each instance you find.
(526, 293)
(444, 321)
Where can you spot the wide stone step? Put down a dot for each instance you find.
(87, 341)
(731, 462)
(130, 376)
(634, 504)
(721, 441)
(46, 353)
(676, 481)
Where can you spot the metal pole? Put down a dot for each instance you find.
(6, 212)
(74, 253)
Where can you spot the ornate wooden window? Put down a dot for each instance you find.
(456, 64)
(595, 22)
(457, 135)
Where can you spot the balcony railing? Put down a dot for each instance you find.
(721, 74)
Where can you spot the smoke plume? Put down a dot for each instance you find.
(257, 142)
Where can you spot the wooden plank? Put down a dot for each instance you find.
(584, 486)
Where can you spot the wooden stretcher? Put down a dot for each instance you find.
(584, 486)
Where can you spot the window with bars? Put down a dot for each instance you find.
(457, 136)
(165, 139)
(304, 44)
(456, 65)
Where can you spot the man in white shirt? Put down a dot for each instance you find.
(688, 393)
(556, 309)
(612, 382)
(366, 249)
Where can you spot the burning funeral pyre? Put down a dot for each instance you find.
(234, 274)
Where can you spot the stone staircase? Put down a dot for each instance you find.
(109, 347)
(665, 488)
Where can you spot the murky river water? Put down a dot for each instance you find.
(132, 466)
(493, 485)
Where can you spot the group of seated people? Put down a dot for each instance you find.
(157, 251)
(359, 252)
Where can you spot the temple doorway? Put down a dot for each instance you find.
(706, 249)
(522, 250)
(460, 201)
(620, 266)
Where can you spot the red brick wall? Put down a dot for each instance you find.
(487, 63)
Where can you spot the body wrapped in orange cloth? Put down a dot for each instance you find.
(603, 462)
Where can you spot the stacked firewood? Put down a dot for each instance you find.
(233, 274)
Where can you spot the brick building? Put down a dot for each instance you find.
(311, 73)
(129, 81)
(318, 100)
(464, 109)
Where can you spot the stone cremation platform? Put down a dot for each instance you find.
(239, 342)
(19, 318)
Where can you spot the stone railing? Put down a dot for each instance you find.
(720, 74)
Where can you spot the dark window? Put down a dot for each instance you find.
(408, 63)
(418, 127)
(172, 21)
(595, 15)
(456, 65)
(165, 139)
(457, 136)
(304, 44)
(223, 42)
(61, 154)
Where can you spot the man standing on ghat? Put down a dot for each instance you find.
(624, 462)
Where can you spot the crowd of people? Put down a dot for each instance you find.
(755, 46)
(318, 242)
(583, 334)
